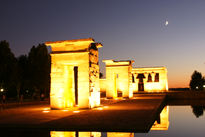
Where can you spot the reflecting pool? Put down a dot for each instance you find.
(173, 121)
(182, 122)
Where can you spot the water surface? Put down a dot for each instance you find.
(174, 121)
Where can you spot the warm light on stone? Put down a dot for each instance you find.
(121, 77)
(154, 84)
(74, 74)
(118, 78)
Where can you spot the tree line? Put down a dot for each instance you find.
(197, 81)
(27, 75)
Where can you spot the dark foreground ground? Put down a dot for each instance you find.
(133, 115)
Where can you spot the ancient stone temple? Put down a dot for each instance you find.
(152, 79)
(122, 78)
(118, 78)
(74, 73)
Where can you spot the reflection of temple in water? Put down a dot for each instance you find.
(74, 134)
(89, 134)
(119, 134)
(162, 122)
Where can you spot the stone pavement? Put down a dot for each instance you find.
(14, 104)
(133, 115)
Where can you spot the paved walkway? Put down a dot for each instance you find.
(134, 115)
(20, 104)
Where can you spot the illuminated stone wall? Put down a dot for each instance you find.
(94, 76)
(118, 78)
(121, 77)
(103, 85)
(74, 74)
(150, 81)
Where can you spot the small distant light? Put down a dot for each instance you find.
(204, 86)
(197, 87)
(46, 111)
(2, 90)
(76, 111)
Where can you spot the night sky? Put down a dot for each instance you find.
(128, 29)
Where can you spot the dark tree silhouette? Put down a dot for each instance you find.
(8, 65)
(198, 110)
(196, 82)
(39, 69)
(23, 75)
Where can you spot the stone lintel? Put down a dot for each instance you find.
(61, 52)
(72, 45)
(149, 69)
(110, 63)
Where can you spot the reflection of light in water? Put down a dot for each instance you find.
(88, 134)
(162, 123)
(74, 134)
(119, 134)
(62, 134)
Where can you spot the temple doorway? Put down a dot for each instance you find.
(141, 82)
(115, 94)
(76, 84)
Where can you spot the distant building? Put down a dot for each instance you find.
(153, 79)
(121, 77)
(118, 78)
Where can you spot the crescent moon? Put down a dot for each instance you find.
(166, 23)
